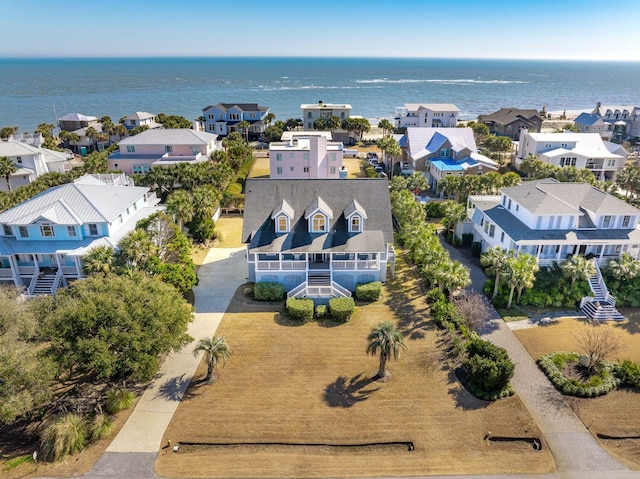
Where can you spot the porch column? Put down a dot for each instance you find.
(538, 251)
(558, 253)
(279, 261)
(78, 269)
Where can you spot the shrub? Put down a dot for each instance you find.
(321, 310)
(434, 295)
(300, 309)
(476, 249)
(265, 291)
(488, 368)
(100, 427)
(444, 312)
(369, 291)
(341, 309)
(65, 435)
(118, 399)
(467, 239)
(628, 373)
(248, 291)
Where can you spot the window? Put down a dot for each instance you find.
(492, 230)
(355, 223)
(168, 148)
(282, 224)
(24, 232)
(195, 150)
(332, 170)
(606, 221)
(46, 230)
(517, 206)
(332, 156)
(131, 149)
(509, 207)
(504, 200)
(292, 156)
(625, 221)
(445, 153)
(19, 159)
(305, 169)
(319, 223)
(71, 231)
(305, 155)
(611, 162)
(7, 230)
(309, 115)
(93, 229)
(292, 169)
(502, 237)
(278, 156)
(279, 170)
(140, 169)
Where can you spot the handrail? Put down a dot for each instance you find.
(56, 281)
(297, 290)
(34, 280)
(341, 289)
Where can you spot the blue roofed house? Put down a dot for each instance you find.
(440, 152)
(223, 118)
(43, 240)
(590, 123)
(318, 237)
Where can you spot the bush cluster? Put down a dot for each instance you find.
(321, 311)
(265, 291)
(341, 309)
(369, 291)
(628, 373)
(300, 309)
(488, 370)
(552, 365)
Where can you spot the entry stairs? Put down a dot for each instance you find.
(601, 306)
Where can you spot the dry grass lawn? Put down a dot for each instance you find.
(617, 413)
(231, 229)
(312, 384)
(261, 168)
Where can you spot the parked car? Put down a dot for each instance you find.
(372, 154)
(379, 169)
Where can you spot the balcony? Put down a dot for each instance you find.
(281, 265)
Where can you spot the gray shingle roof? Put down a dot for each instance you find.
(240, 106)
(418, 140)
(265, 195)
(170, 136)
(504, 116)
(75, 203)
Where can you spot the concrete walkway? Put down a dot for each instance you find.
(573, 447)
(133, 452)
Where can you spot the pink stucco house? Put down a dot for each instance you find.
(162, 147)
(306, 155)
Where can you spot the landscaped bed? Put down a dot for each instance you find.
(615, 415)
(309, 389)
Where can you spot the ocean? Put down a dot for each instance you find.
(34, 91)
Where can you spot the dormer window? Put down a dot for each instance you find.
(319, 223)
(283, 224)
(355, 224)
(46, 230)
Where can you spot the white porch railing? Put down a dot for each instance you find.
(26, 270)
(298, 291)
(353, 264)
(284, 265)
(340, 289)
(6, 273)
(69, 271)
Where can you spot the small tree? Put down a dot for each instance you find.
(472, 307)
(386, 341)
(7, 168)
(598, 343)
(215, 349)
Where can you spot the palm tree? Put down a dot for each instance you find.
(453, 214)
(136, 247)
(452, 276)
(180, 206)
(92, 134)
(386, 341)
(333, 123)
(577, 268)
(268, 118)
(243, 128)
(521, 273)
(495, 260)
(386, 126)
(390, 149)
(215, 349)
(98, 261)
(624, 268)
(7, 168)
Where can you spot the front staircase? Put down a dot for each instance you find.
(319, 285)
(46, 283)
(601, 306)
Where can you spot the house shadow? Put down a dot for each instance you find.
(344, 392)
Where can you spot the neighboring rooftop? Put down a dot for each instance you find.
(170, 136)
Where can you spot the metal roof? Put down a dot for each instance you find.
(170, 136)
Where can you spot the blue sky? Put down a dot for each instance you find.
(529, 29)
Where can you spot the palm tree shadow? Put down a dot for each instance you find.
(174, 389)
(348, 392)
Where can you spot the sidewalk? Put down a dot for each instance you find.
(573, 447)
(133, 452)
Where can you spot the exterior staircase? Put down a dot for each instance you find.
(45, 284)
(318, 285)
(319, 278)
(601, 306)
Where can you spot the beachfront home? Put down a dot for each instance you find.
(427, 115)
(590, 123)
(582, 150)
(509, 121)
(551, 220)
(223, 118)
(43, 240)
(441, 152)
(138, 119)
(162, 147)
(75, 121)
(322, 111)
(622, 121)
(319, 238)
(31, 160)
(306, 155)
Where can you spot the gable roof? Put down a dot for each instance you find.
(431, 106)
(239, 106)
(170, 136)
(140, 115)
(77, 117)
(425, 141)
(586, 119)
(504, 116)
(75, 203)
(264, 195)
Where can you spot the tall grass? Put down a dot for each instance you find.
(119, 399)
(65, 435)
(100, 427)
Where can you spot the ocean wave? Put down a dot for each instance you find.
(457, 81)
(312, 87)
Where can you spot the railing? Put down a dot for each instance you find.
(6, 273)
(608, 298)
(56, 281)
(340, 289)
(69, 271)
(352, 264)
(26, 270)
(32, 284)
(368, 264)
(284, 265)
(585, 300)
(319, 291)
(268, 265)
(301, 288)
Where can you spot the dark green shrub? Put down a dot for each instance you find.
(321, 311)
(443, 312)
(341, 309)
(476, 249)
(467, 239)
(487, 367)
(628, 373)
(434, 295)
(300, 309)
(369, 291)
(265, 291)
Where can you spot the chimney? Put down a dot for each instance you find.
(320, 102)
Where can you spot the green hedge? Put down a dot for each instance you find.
(341, 309)
(552, 365)
(300, 309)
(369, 291)
(628, 373)
(321, 311)
(488, 370)
(264, 291)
